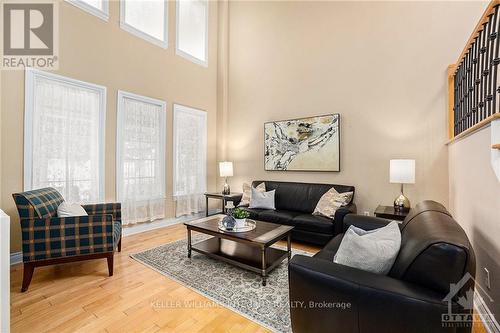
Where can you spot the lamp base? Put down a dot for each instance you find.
(227, 189)
(401, 203)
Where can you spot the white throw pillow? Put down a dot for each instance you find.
(373, 251)
(247, 193)
(331, 201)
(66, 210)
(263, 200)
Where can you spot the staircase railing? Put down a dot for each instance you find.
(474, 81)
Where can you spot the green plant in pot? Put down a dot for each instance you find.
(240, 215)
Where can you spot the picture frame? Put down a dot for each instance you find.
(303, 144)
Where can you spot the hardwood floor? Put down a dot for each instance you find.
(80, 297)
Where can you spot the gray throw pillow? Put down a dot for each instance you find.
(373, 251)
(263, 200)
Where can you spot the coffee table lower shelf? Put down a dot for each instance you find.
(258, 259)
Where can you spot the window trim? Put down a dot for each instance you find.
(29, 91)
(102, 14)
(141, 34)
(121, 95)
(191, 110)
(184, 54)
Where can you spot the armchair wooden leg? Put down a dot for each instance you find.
(110, 263)
(28, 269)
(120, 245)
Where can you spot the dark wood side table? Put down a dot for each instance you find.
(388, 212)
(224, 198)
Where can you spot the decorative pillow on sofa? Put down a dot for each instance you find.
(247, 193)
(263, 200)
(66, 210)
(331, 201)
(373, 251)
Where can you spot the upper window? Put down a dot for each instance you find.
(192, 30)
(64, 136)
(146, 19)
(99, 8)
(140, 157)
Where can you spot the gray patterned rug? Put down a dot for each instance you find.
(229, 286)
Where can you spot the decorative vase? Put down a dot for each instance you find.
(228, 222)
(240, 223)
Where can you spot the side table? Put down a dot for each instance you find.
(224, 198)
(388, 212)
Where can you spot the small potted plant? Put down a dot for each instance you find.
(240, 215)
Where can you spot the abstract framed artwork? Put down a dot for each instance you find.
(304, 144)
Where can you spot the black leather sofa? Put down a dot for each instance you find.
(295, 203)
(435, 252)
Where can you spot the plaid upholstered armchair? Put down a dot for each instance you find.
(48, 239)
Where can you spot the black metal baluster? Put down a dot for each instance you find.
(470, 79)
(466, 86)
(461, 97)
(487, 61)
(476, 76)
(479, 74)
(475, 69)
(495, 61)
(455, 102)
(492, 39)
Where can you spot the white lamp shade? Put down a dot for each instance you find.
(226, 169)
(402, 171)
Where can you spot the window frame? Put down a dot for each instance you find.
(182, 53)
(191, 110)
(29, 97)
(102, 14)
(141, 34)
(121, 95)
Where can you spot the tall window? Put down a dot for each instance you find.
(146, 19)
(140, 160)
(192, 30)
(190, 159)
(99, 8)
(64, 136)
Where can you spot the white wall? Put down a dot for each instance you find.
(475, 203)
(381, 65)
(4, 272)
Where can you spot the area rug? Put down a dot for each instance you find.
(232, 287)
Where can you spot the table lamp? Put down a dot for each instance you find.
(226, 170)
(402, 172)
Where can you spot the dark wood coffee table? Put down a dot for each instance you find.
(249, 250)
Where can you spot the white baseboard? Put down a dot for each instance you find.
(488, 318)
(148, 226)
(16, 258)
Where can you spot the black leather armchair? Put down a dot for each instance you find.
(435, 252)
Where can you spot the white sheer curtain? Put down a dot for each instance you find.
(64, 136)
(140, 158)
(190, 159)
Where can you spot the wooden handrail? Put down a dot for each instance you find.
(479, 27)
(476, 127)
